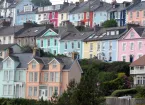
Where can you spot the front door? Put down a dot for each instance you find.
(43, 94)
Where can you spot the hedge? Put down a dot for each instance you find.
(17, 101)
(123, 92)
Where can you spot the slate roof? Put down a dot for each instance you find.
(78, 36)
(14, 3)
(15, 58)
(10, 30)
(32, 32)
(138, 6)
(119, 7)
(104, 7)
(6, 46)
(66, 61)
(24, 58)
(139, 62)
(101, 34)
(68, 8)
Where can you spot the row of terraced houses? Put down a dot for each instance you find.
(87, 13)
(71, 29)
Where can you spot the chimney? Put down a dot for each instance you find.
(81, 1)
(77, 4)
(74, 55)
(35, 48)
(96, 28)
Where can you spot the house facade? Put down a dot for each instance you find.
(130, 47)
(27, 37)
(13, 76)
(27, 14)
(100, 13)
(118, 12)
(63, 15)
(46, 76)
(137, 71)
(7, 34)
(49, 41)
(48, 14)
(136, 14)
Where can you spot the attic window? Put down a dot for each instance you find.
(108, 33)
(102, 34)
(96, 37)
(36, 31)
(112, 32)
(117, 32)
(54, 64)
(82, 34)
(91, 36)
(132, 35)
(92, 6)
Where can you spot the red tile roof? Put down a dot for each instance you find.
(139, 62)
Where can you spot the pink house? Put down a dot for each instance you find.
(46, 76)
(131, 45)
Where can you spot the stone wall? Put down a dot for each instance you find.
(124, 101)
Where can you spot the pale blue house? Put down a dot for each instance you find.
(100, 13)
(13, 75)
(73, 43)
(22, 11)
(109, 43)
(49, 41)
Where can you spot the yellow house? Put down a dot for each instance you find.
(92, 45)
(63, 15)
(89, 49)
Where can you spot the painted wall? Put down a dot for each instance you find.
(69, 49)
(107, 49)
(127, 52)
(20, 7)
(50, 36)
(22, 18)
(120, 17)
(134, 19)
(61, 18)
(8, 39)
(53, 17)
(99, 17)
(87, 53)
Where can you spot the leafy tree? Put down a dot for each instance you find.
(110, 23)
(88, 92)
(41, 2)
(27, 49)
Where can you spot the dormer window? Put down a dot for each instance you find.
(54, 64)
(28, 8)
(108, 33)
(117, 32)
(132, 35)
(33, 65)
(112, 32)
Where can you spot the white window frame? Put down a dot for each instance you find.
(132, 46)
(123, 59)
(141, 45)
(91, 47)
(124, 48)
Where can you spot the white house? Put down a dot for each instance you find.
(137, 71)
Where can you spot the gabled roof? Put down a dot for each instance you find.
(140, 31)
(12, 30)
(24, 58)
(104, 7)
(32, 32)
(139, 62)
(15, 58)
(66, 61)
(6, 46)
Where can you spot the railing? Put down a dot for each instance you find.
(137, 71)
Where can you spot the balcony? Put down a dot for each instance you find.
(137, 71)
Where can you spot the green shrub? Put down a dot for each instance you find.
(118, 93)
(140, 92)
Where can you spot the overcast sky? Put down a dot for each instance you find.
(61, 1)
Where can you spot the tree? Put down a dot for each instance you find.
(41, 2)
(110, 23)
